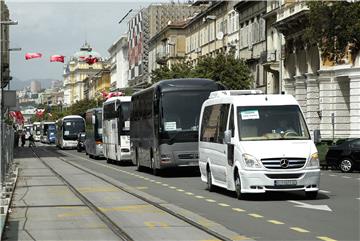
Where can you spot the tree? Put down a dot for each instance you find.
(179, 70)
(335, 27)
(80, 107)
(224, 68)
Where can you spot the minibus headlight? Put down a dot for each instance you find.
(251, 161)
(314, 161)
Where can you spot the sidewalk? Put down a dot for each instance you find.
(44, 208)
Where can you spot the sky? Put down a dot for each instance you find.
(61, 27)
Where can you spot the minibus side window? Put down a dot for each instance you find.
(231, 121)
(224, 113)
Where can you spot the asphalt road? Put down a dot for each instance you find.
(335, 215)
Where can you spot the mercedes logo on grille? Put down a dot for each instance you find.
(284, 163)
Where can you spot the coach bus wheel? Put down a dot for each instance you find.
(155, 171)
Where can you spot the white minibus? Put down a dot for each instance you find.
(251, 142)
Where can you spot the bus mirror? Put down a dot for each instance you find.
(227, 137)
(317, 136)
(93, 119)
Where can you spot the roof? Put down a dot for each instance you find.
(71, 116)
(183, 83)
(121, 98)
(86, 51)
(254, 100)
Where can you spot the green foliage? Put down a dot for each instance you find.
(57, 112)
(334, 26)
(179, 70)
(129, 91)
(224, 68)
(80, 107)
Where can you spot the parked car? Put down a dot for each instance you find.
(80, 142)
(344, 155)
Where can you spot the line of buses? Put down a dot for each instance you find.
(238, 139)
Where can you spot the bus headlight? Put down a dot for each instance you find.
(314, 161)
(251, 161)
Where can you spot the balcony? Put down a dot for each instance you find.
(162, 57)
(291, 9)
(291, 18)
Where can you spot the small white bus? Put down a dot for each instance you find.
(250, 142)
(68, 129)
(116, 129)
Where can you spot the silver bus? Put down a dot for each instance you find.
(68, 129)
(164, 123)
(48, 132)
(116, 129)
(93, 129)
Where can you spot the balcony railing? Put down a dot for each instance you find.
(286, 11)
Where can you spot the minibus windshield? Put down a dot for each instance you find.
(271, 123)
(180, 110)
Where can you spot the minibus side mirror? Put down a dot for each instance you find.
(227, 137)
(317, 136)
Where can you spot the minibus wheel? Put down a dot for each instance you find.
(239, 195)
(210, 186)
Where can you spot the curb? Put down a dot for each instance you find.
(6, 197)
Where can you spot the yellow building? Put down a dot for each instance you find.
(98, 83)
(168, 46)
(76, 71)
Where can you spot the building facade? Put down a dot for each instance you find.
(252, 38)
(142, 27)
(212, 31)
(119, 64)
(75, 72)
(168, 46)
(328, 92)
(5, 56)
(35, 86)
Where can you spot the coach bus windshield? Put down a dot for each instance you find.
(72, 127)
(181, 110)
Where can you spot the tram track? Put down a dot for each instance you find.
(103, 217)
(117, 230)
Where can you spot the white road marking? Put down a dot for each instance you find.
(223, 205)
(346, 177)
(333, 175)
(310, 206)
(324, 191)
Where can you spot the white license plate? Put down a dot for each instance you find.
(285, 183)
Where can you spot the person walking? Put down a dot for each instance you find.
(23, 139)
(31, 140)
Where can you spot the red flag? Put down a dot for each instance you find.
(32, 55)
(57, 58)
(91, 60)
(39, 112)
(104, 94)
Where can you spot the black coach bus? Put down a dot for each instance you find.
(164, 123)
